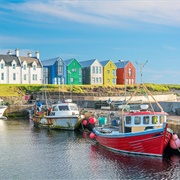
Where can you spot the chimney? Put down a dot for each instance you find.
(29, 54)
(17, 52)
(37, 54)
(9, 52)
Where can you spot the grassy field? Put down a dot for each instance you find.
(20, 90)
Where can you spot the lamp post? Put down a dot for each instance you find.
(124, 80)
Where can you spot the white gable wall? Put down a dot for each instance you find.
(3, 72)
(96, 73)
(35, 76)
(14, 74)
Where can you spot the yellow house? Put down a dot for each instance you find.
(109, 72)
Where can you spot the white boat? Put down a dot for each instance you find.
(60, 116)
(2, 110)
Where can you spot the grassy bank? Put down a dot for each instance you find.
(20, 90)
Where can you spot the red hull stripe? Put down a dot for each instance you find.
(149, 143)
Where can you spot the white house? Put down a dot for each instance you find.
(92, 72)
(16, 69)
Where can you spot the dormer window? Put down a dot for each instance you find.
(24, 67)
(34, 67)
(2, 66)
(14, 66)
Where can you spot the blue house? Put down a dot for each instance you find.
(53, 71)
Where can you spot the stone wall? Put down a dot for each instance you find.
(168, 102)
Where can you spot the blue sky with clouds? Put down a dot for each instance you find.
(132, 30)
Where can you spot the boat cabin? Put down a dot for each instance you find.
(64, 109)
(143, 120)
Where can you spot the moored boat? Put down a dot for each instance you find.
(60, 116)
(142, 131)
(2, 110)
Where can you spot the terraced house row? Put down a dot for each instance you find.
(16, 69)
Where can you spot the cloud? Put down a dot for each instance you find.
(170, 48)
(107, 12)
(10, 39)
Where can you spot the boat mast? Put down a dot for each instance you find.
(141, 85)
(59, 82)
(45, 94)
(141, 66)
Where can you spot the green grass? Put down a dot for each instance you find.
(20, 90)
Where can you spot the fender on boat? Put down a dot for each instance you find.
(175, 142)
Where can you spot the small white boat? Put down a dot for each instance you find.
(2, 109)
(60, 116)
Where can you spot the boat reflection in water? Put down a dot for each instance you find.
(129, 166)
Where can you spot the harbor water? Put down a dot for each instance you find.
(27, 152)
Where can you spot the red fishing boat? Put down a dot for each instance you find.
(140, 131)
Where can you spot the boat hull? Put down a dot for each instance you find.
(66, 123)
(2, 110)
(150, 142)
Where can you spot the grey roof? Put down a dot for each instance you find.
(87, 63)
(121, 64)
(104, 62)
(68, 61)
(49, 62)
(30, 60)
(9, 58)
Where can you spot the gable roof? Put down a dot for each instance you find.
(30, 60)
(68, 61)
(49, 62)
(87, 63)
(121, 64)
(105, 62)
(9, 58)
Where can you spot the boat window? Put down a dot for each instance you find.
(154, 119)
(128, 119)
(137, 120)
(75, 108)
(162, 119)
(146, 120)
(55, 108)
(63, 108)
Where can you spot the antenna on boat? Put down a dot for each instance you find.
(141, 66)
(59, 82)
(45, 93)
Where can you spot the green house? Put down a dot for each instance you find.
(73, 72)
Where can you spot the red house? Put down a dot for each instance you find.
(125, 70)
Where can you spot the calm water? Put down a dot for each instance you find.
(27, 152)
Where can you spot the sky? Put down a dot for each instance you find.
(145, 32)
